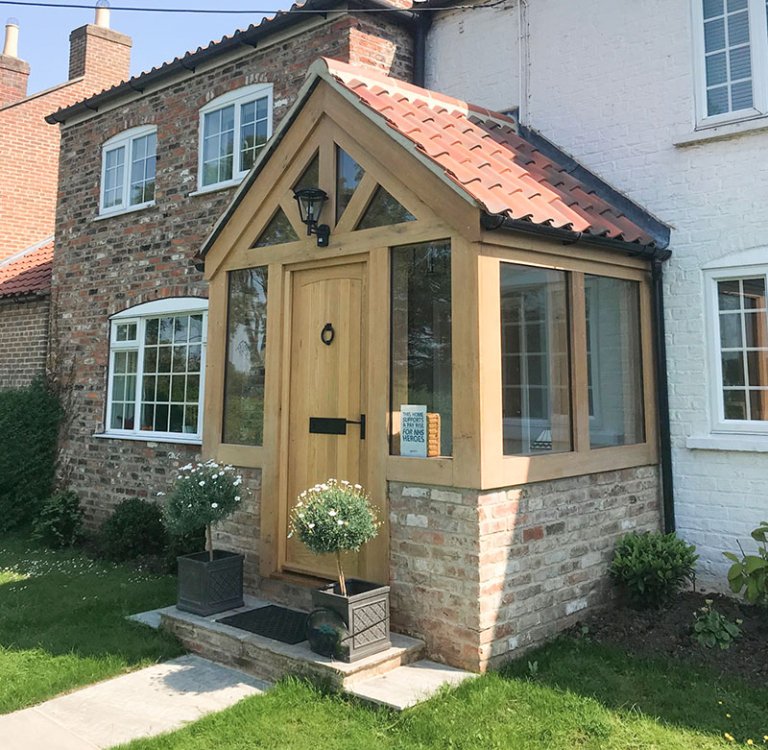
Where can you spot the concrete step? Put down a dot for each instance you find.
(408, 685)
(271, 660)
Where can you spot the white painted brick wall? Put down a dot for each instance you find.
(611, 82)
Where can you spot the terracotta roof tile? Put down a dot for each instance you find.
(27, 273)
(482, 152)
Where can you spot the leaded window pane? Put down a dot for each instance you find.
(384, 210)
(348, 176)
(278, 231)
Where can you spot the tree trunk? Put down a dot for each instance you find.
(209, 541)
(342, 579)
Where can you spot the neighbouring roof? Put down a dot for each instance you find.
(249, 37)
(28, 272)
(506, 171)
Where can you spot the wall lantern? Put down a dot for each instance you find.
(310, 202)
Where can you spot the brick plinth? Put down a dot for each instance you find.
(483, 576)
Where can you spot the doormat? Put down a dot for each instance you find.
(277, 623)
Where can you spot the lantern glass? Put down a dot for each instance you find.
(310, 202)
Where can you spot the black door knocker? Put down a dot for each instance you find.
(328, 334)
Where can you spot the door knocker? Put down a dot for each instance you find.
(328, 334)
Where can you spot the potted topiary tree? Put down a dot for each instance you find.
(333, 518)
(204, 494)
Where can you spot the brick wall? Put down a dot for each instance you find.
(620, 108)
(23, 340)
(14, 74)
(29, 147)
(483, 576)
(106, 265)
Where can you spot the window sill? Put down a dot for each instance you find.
(217, 187)
(122, 212)
(719, 132)
(181, 439)
(748, 443)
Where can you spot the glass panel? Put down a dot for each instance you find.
(218, 145)
(755, 329)
(113, 177)
(123, 377)
(384, 210)
(713, 8)
(421, 349)
(728, 295)
(348, 176)
(246, 352)
(278, 231)
(733, 368)
(757, 366)
(735, 404)
(142, 188)
(616, 367)
(758, 405)
(253, 131)
(730, 331)
(536, 403)
(195, 329)
(754, 293)
(310, 176)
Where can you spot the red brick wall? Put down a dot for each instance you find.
(93, 49)
(23, 340)
(104, 266)
(29, 147)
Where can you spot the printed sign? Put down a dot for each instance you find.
(413, 431)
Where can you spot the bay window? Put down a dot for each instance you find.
(157, 365)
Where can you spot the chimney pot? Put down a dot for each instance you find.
(11, 48)
(102, 14)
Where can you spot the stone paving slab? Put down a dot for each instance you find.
(150, 701)
(408, 685)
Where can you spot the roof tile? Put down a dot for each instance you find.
(482, 153)
(29, 273)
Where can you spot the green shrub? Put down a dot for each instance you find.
(134, 530)
(60, 522)
(652, 567)
(750, 572)
(29, 425)
(711, 628)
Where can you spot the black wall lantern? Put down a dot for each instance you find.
(310, 202)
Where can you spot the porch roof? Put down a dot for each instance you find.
(27, 272)
(512, 174)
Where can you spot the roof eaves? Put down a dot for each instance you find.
(246, 37)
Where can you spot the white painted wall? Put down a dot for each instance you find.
(611, 82)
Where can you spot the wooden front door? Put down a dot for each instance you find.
(327, 363)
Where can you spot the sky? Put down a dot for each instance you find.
(157, 37)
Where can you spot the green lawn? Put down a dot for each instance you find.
(62, 621)
(583, 696)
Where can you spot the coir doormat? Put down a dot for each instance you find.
(277, 623)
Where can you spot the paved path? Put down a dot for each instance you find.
(141, 704)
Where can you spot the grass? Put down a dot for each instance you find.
(582, 696)
(62, 621)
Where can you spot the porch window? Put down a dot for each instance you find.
(246, 349)
(614, 361)
(421, 393)
(157, 363)
(536, 405)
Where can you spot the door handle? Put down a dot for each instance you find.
(361, 422)
(335, 425)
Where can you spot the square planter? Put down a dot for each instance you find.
(209, 586)
(365, 611)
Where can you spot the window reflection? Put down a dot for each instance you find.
(421, 349)
(246, 350)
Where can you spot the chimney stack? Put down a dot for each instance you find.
(14, 73)
(99, 53)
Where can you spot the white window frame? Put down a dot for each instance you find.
(758, 44)
(126, 139)
(139, 316)
(752, 264)
(238, 97)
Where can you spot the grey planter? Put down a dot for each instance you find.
(365, 612)
(209, 586)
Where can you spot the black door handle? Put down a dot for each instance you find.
(335, 425)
